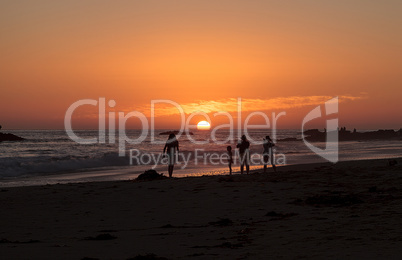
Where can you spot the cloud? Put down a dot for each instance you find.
(247, 104)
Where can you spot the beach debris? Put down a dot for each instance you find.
(150, 175)
(223, 222)
(147, 257)
(105, 236)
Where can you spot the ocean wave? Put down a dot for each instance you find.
(28, 166)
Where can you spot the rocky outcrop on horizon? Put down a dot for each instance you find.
(315, 135)
(9, 137)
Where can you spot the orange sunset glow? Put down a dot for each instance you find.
(203, 55)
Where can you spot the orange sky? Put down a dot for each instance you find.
(54, 53)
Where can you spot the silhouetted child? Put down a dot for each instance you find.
(230, 158)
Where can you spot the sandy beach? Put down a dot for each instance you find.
(347, 210)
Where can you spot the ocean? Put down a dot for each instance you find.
(50, 156)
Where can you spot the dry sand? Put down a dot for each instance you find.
(346, 210)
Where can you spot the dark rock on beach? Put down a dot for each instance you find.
(150, 175)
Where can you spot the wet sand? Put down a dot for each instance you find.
(347, 210)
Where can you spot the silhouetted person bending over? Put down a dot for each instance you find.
(244, 153)
(171, 146)
(268, 153)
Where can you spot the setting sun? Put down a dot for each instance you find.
(203, 125)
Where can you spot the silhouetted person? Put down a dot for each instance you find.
(230, 158)
(268, 153)
(244, 153)
(171, 146)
